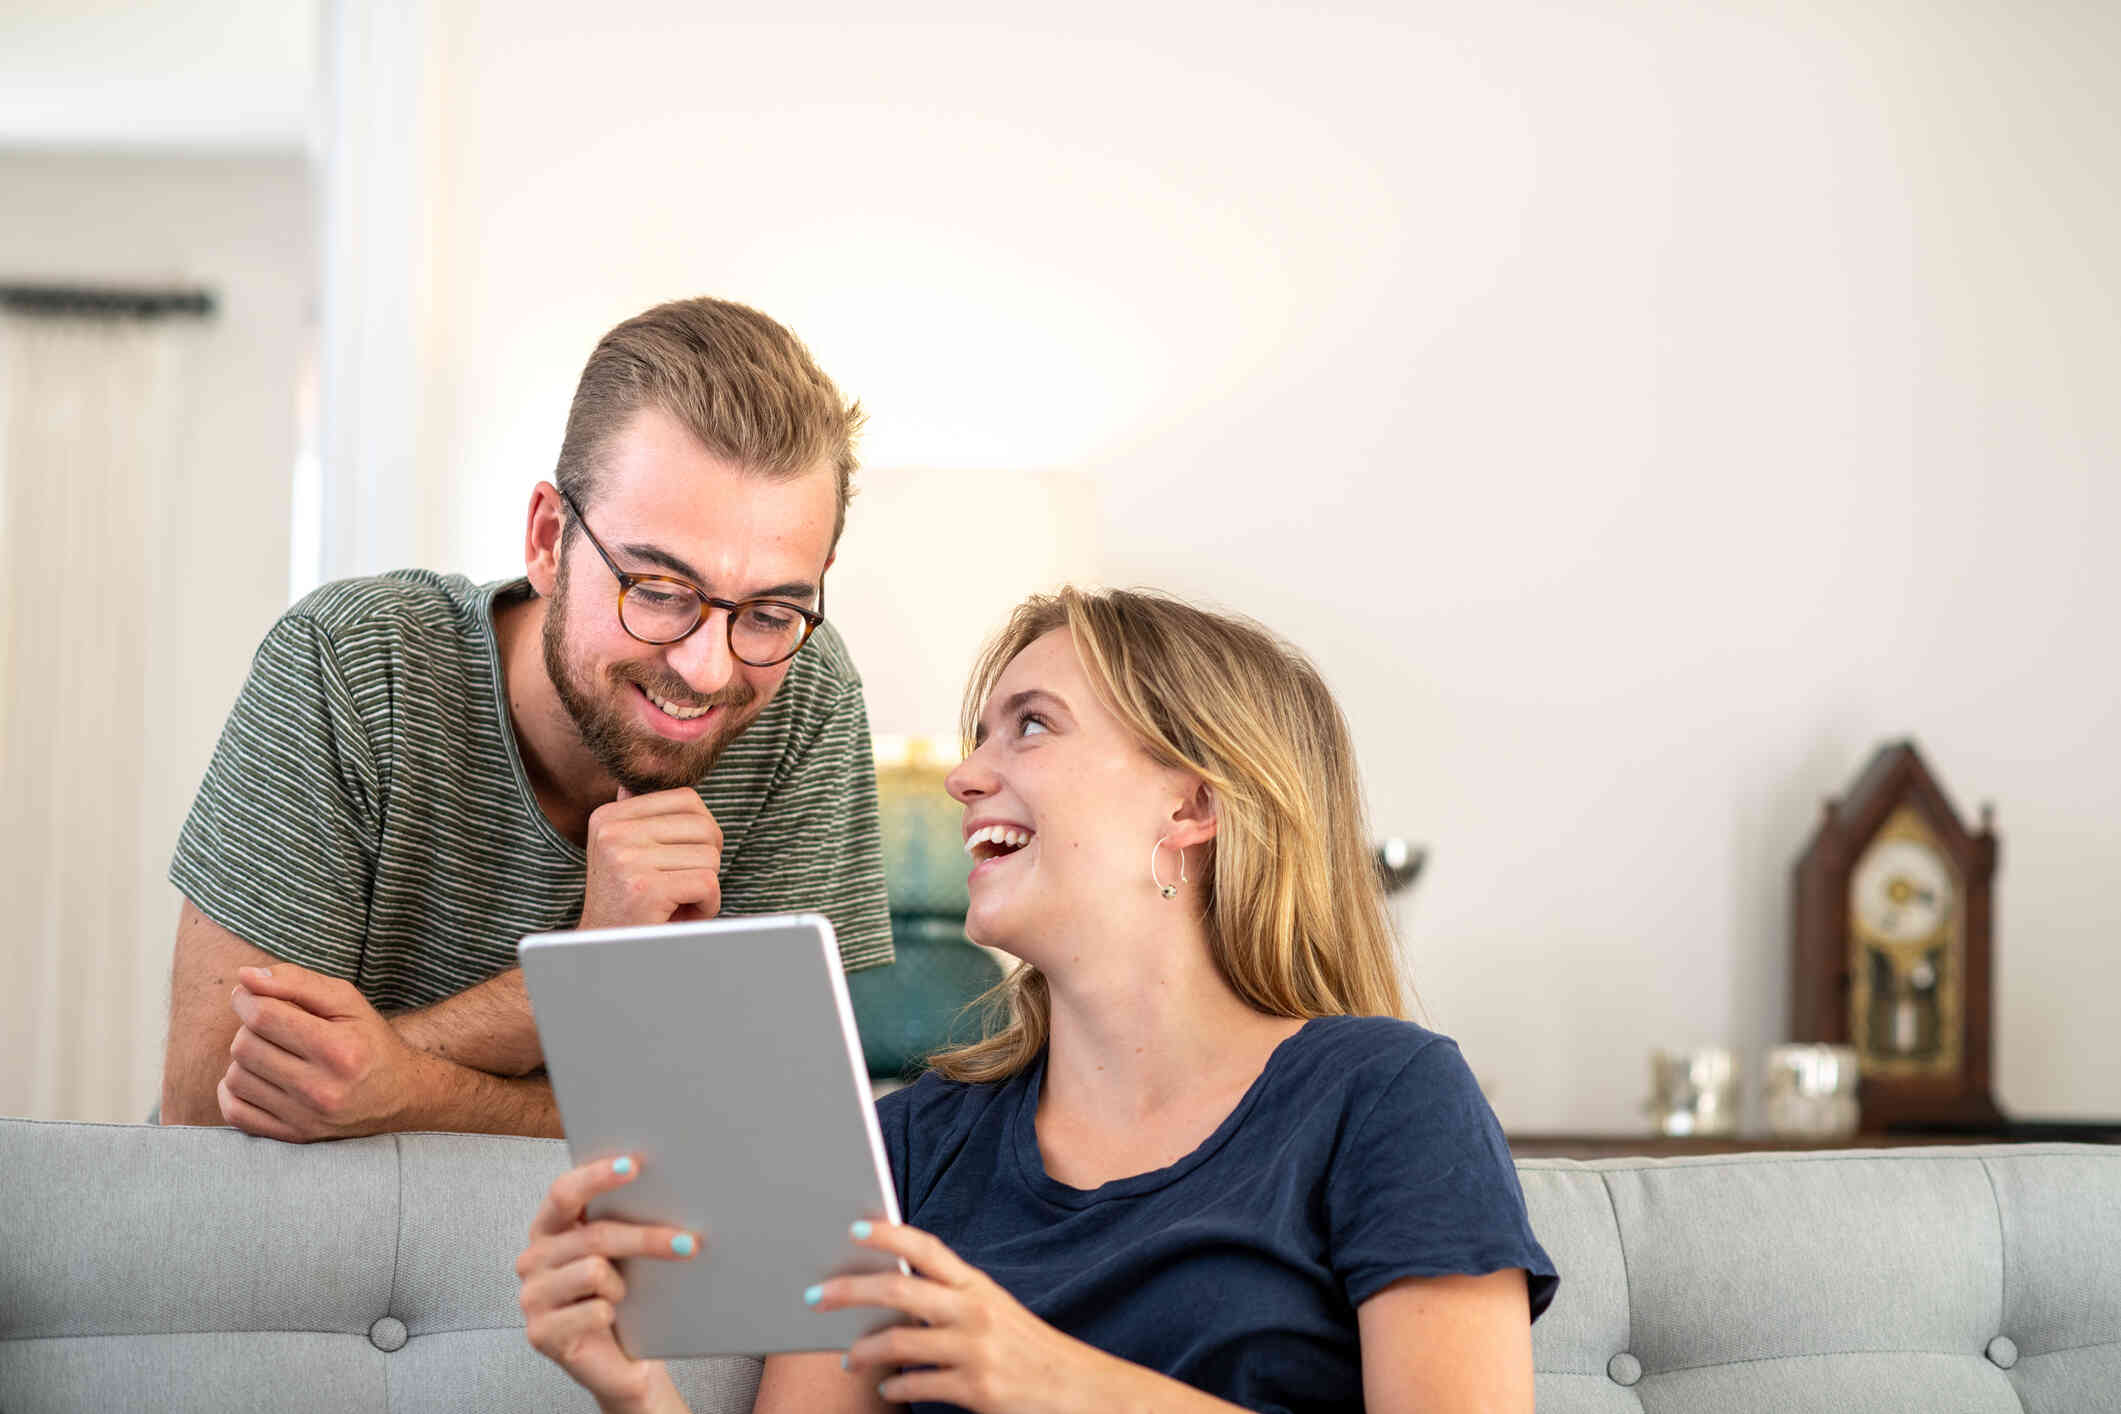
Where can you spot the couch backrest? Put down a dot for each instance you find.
(198, 1269)
(1963, 1279)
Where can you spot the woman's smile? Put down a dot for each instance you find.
(990, 844)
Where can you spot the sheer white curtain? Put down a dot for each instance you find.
(92, 413)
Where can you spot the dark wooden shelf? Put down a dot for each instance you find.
(1659, 1146)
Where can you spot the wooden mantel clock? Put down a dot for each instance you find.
(1894, 945)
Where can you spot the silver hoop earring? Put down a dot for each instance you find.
(1168, 890)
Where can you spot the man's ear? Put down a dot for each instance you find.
(541, 538)
(1195, 820)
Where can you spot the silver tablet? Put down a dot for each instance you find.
(724, 1055)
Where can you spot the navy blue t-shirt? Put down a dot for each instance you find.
(1364, 1153)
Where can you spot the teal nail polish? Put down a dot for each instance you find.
(813, 1295)
(622, 1166)
(682, 1244)
(861, 1231)
(843, 1362)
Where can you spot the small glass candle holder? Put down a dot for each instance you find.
(1809, 1091)
(1694, 1092)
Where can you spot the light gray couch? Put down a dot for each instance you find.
(196, 1269)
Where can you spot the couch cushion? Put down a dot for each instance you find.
(468, 1199)
(127, 1229)
(1573, 1219)
(192, 1268)
(1867, 1280)
(1740, 1260)
(208, 1372)
(2061, 1229)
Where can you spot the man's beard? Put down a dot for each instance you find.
(636, 757)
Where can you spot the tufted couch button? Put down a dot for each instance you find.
(388, 1333)
(2003, 1351)
(1623, 1369)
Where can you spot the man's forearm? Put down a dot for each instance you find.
(188, 1092)
(488, 1027)
(202, 973)
(464, 1100)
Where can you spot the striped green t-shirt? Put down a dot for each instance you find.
(366, 813)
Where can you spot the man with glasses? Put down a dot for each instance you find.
(655, 723)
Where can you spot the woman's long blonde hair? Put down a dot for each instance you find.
(1295, 908)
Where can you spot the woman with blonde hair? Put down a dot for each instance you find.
(1200, 1160)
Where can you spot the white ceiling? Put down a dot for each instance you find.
(209, 75)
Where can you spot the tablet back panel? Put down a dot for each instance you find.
(723, 1055)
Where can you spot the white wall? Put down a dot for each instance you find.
(217, 76)
(1640, 410)
(241, 227)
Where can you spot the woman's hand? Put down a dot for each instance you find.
(571, 1290)
(989, 1354)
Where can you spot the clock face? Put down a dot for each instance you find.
(1903, 890)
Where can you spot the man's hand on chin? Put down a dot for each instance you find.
(313, 1060)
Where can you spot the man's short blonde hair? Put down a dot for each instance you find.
(739, 382)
